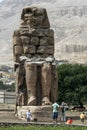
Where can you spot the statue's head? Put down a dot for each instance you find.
(35, 17)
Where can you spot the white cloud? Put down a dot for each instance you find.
(1, 0)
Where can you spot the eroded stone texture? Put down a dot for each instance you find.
(33, 50)
(31, 77)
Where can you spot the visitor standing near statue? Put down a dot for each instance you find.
(55, 107)
(63, 118)
(82, 117)
(63, 110)
(69, 121)
(28, 115)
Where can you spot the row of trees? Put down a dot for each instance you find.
(7, 87)
(72, 84)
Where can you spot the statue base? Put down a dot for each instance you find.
(39, 113)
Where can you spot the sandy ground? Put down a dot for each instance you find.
(75, 116)
(9, 116)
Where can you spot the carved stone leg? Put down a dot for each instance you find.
(46, 83)
(20, 82)
(54, 84)
(31, 76)
(22, 99)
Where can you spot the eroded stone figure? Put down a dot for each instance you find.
(33, 50)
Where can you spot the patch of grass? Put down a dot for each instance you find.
(30, 127)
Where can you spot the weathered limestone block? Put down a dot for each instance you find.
(27, 31)
(17, 40)
(33, 32)
(25, 40)
(16, 33)
(28, 55)
(38, 55)
(34, 41)
(47, 41)
(49, 33)
(18, 50)
(39, 32)
(45, 49)
(17, 45)
(29, 49)
(16, 58)
(24, 31)
(50, 50)
(45, 33)
(41, 49)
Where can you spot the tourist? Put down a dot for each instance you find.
(55, 107)
(63, 107)
(69, 121)
(63, 118)
(28, 115)
(82, 117)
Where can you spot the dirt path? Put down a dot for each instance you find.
(9, 116)
(75, 116)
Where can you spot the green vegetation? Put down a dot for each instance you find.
(72, 84)
(7, 87)
(43, 128)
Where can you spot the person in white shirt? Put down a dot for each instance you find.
(55, 107)
(28, 115)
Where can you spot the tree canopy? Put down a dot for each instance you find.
(7, 87)
(72, 83)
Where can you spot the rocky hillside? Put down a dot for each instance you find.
(68, 18)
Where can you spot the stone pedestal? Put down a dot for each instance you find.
(41, 113)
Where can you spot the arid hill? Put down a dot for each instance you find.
(68, 18)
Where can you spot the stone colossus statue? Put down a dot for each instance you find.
(33, 50)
